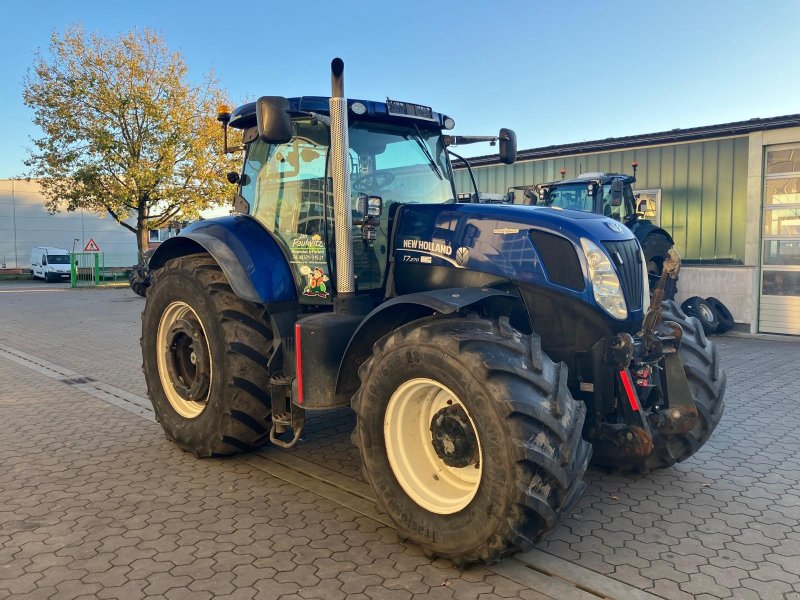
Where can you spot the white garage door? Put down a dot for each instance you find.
(780, 259)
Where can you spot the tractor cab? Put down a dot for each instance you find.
(397, 156)
(607, 194)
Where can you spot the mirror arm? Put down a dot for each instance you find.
(228, 149)
(461, 140)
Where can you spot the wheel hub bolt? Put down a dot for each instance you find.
(453, 437)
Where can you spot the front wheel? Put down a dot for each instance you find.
(140, 280)
(706, 379)
(205, 354)
(470, 437)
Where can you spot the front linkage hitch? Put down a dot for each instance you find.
(645, 365)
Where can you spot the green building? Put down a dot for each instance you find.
(728, 194)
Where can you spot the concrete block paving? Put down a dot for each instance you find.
(95, 503)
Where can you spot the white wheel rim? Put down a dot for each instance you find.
(422, 474)
(706, 312)
(175, 312)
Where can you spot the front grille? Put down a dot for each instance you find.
(628, 261)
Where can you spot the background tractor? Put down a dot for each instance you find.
(610, 195)
(484, 348)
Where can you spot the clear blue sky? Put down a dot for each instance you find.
(556, 72)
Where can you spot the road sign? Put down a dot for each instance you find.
(91, 246)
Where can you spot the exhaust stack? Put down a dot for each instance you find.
(340, 168)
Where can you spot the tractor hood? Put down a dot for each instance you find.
(484, 244)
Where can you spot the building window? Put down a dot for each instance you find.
(779, 306)
(649, 203)
(160, 235)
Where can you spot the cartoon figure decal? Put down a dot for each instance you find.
(316, 282)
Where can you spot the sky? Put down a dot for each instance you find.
(555, 72)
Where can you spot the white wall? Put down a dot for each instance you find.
(25, 223)
(733, 286)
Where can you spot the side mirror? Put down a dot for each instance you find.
(369, 207)
(616, 192)
(273, 120)
(508, 146)
(233, 177)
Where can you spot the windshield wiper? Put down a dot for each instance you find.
(423, 146)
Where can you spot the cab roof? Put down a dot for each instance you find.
(601, 178)
(245, 116)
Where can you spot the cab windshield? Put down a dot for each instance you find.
(580, 196)
(400, 163)
(571, 197)
(58, 259)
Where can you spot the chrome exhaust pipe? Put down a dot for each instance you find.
(340, 169)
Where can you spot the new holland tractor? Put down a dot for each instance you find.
(485, 349)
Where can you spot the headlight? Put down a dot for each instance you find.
(646, 286)
(51, 269)
(605, 283)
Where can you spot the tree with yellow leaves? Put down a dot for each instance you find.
(123, 130)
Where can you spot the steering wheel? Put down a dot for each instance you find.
(373, 181)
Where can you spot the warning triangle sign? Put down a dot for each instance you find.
(91, 246)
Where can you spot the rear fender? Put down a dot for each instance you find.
(643, 228)
(403, 309)
(247, 253)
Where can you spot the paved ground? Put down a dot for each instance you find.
(94, 502)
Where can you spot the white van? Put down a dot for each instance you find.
(50, 264)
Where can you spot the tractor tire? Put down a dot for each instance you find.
(724, 316)
(655, 248)
(470, 437)
(704, 312)
(140, 280)
(205, 353)
(707, 385)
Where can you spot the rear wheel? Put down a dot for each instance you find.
(470, 437)
(656, 248)
(706, 380)
(205, 354)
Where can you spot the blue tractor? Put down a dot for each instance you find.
(485, 349)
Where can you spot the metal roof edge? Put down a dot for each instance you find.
(647, 139)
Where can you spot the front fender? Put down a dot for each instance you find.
(400, 310)
(247, 253)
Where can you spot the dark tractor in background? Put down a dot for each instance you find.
(485, 349)
(610, 195)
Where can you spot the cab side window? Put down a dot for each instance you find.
(285, 186)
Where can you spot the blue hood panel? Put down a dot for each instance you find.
(495, 239)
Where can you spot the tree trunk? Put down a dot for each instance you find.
(141, 235)
(141, 241)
